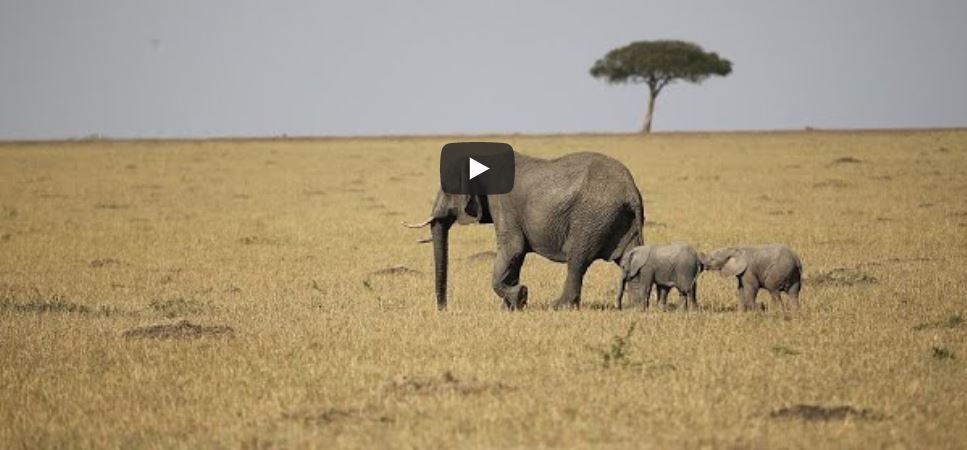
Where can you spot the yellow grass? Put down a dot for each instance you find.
(282, 242)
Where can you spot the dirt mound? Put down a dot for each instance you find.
(842, 276)
(446, 382)
(181, 329)
(825, 413)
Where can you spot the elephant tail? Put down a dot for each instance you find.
(634, 236)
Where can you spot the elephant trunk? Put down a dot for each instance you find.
(440, 233)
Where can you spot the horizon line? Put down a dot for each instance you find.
(323, 137)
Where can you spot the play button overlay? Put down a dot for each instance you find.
(477, 168)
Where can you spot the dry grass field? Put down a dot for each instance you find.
(311, 320)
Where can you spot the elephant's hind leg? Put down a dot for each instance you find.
(663, 296)
(571, 296)
(776, 299)
(506, 278)
(794, 294)
(691, 297)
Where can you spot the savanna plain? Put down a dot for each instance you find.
(262, 294)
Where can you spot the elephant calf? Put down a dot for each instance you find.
(665, 266)
(775, 268)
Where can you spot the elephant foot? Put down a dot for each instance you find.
(516, 298)
(566, 303)
(754, 307)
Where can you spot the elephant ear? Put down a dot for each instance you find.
(735, 266)
(634, 261)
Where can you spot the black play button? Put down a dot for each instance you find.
(477, 168)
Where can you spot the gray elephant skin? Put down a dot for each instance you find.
(665, 266)
(575, 209)
(774, 267)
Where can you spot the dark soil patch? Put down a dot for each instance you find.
(111, 206)
(847, 160)
(838, 242)
(823, 413)
(8, 212)
(445, 382)
(178, 330)
(906, 260)
(917, 259)
(397, 270)
(942, 352)
(52, 304)
(329, 416)
(831, 184)
(102, 262)
(175, 307)
(148, 186)
(842, 276)
(483, 256)
(45, 305)
(256, 240)
(954, 321)
(782, 350)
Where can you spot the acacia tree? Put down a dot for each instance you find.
(658, 64)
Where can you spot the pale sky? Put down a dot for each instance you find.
(134, 68)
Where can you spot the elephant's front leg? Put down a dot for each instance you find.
(646, 293)
(506, 279)
(747, 293)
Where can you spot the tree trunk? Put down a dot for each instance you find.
(651, 110)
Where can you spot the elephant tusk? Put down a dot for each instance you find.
(418, 225)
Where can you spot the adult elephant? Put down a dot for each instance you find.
(573, 209)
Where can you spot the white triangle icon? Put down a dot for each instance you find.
(476, 168)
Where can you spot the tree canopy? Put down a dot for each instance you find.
(658, 64)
